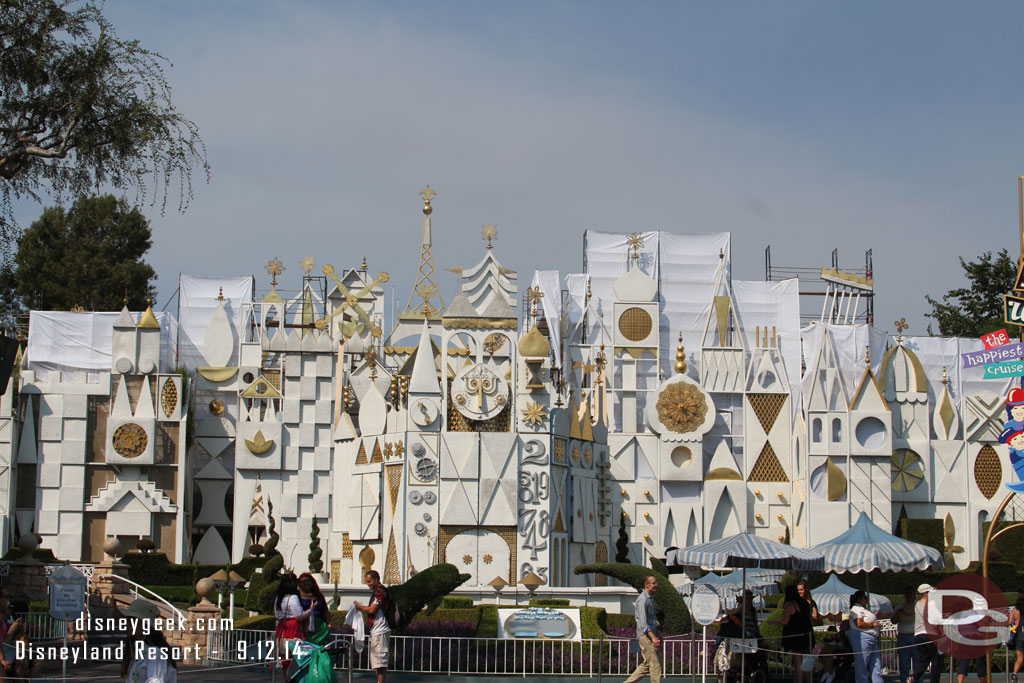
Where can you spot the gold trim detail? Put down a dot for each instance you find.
(635, 324)
(361, 455)
(534, 414)
(377, 455)
(767, 468)
(835, 480)
(169, 397)
(261, 388)
(346, 546)
(259, 444)
(767, 408)
(148, 320)
(534, 344)
(907, 470)
(723, 474)
(216, 407)
(988, 471)
(482, 323)
(681, 407)
(392, 575)
(130, 440)
(394, 473)
(217, 374)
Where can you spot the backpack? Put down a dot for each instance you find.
(395, 615)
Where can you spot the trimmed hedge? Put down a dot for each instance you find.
(41, 554)
(593, 622)
(549, 602)
(154, 569)
(487, 627)
(428, 588)
(620, 620)
(456, 602)
(1008, 547)
(471, 615)
(924, 531)
(672, 611)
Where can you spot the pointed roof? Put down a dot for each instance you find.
(124, 320)
(424, 369)
(460, 307)
(899, 361)
(148, 320)
(723, 312)
(868, 395)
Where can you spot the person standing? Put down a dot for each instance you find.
(317, 628)
(647, 633)
(906, 649)
(290, 617)
(928, 654)
(805, 592)
(1016, 638)
(864, 632)
(796, 628)
(380, 631)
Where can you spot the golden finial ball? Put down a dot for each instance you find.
(427, 209)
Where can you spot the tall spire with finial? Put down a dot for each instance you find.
(680, 357)
(489, 232)
(425, 286)
(901, 325)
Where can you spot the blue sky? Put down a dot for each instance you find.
(804, 125)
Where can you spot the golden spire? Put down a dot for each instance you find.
(427, 195)
(634, 242)
(489, 232)
(371, 360)
(867, 355)
(307, 264)
(274, 268)
(945, 379)
(534, 295)
(364, 267)
(680, 356)
(220, 294)
(901, 325)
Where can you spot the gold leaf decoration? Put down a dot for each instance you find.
(949, 532)
(169, 397)
(681, 407)
(130, 440)
(836, 480)
(988, 471)
(559, 450)
(907, 470)
(534, 414)
(259, 444)
(488, 558)
(466, 559)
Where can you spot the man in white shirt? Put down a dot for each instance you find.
(928, 654)
(380, 630)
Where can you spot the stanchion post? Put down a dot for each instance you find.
(600, 651)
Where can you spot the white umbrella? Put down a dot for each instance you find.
(833, 597)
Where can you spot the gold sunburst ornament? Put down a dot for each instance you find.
(634, 242)
(907, 470)
(307, 264)
(274, 268)
(534, 414)
(488, 559)
(489, 232)
(681, 407)
(130, 440)
(466, 559)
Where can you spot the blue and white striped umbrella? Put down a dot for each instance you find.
(833, 598)
(746, 550)
(759, 582)
(865, 547)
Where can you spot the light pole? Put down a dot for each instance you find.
(219, 578)
(235, 581)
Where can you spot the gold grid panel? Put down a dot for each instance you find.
(392, 575)
(394, 483)
(335, 571)
(768, 468)
(988, 471)
(507, 534)
(767, 408)
(635, 324)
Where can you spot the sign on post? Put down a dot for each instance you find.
(705, 605)
(67, 593)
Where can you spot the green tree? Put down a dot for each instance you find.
(622, 542)
(81, 108)
(316, 564)
(90, 256)
(977, 309)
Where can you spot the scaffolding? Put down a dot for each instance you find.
(841, 291)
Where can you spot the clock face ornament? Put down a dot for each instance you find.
(479, 392)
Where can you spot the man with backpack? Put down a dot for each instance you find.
(377, 611)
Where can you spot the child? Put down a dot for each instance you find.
(1014, 436)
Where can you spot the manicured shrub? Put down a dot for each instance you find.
(456, 602)
(668, 602)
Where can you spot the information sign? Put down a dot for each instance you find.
(67, 593)
(705, 605)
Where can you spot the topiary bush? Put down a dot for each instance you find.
(456, 602)
(672, 611)
(427, 588)
(316, 564)
(924, 531)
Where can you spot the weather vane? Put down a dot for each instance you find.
(427, 195)
(901, 325)
(489, 232)
(307, 264)
(534, 295)
(274, 268)
(634, 242)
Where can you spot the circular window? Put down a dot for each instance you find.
(635, 324)
(681, 456)
(870, 432)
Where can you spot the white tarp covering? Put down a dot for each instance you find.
(197, 299)
(851, 342)
(772, 305)
(550, 284)
(938, 352)
(61, 341)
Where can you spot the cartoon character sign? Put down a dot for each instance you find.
(1013, 436)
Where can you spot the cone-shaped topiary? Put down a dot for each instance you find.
(672, 612)
(316, 565)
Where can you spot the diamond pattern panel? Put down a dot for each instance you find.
(768, 468)
(767, 408)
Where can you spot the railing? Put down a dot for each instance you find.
(87, 569)
(458, 655)
(136, 587)
(41, 626)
